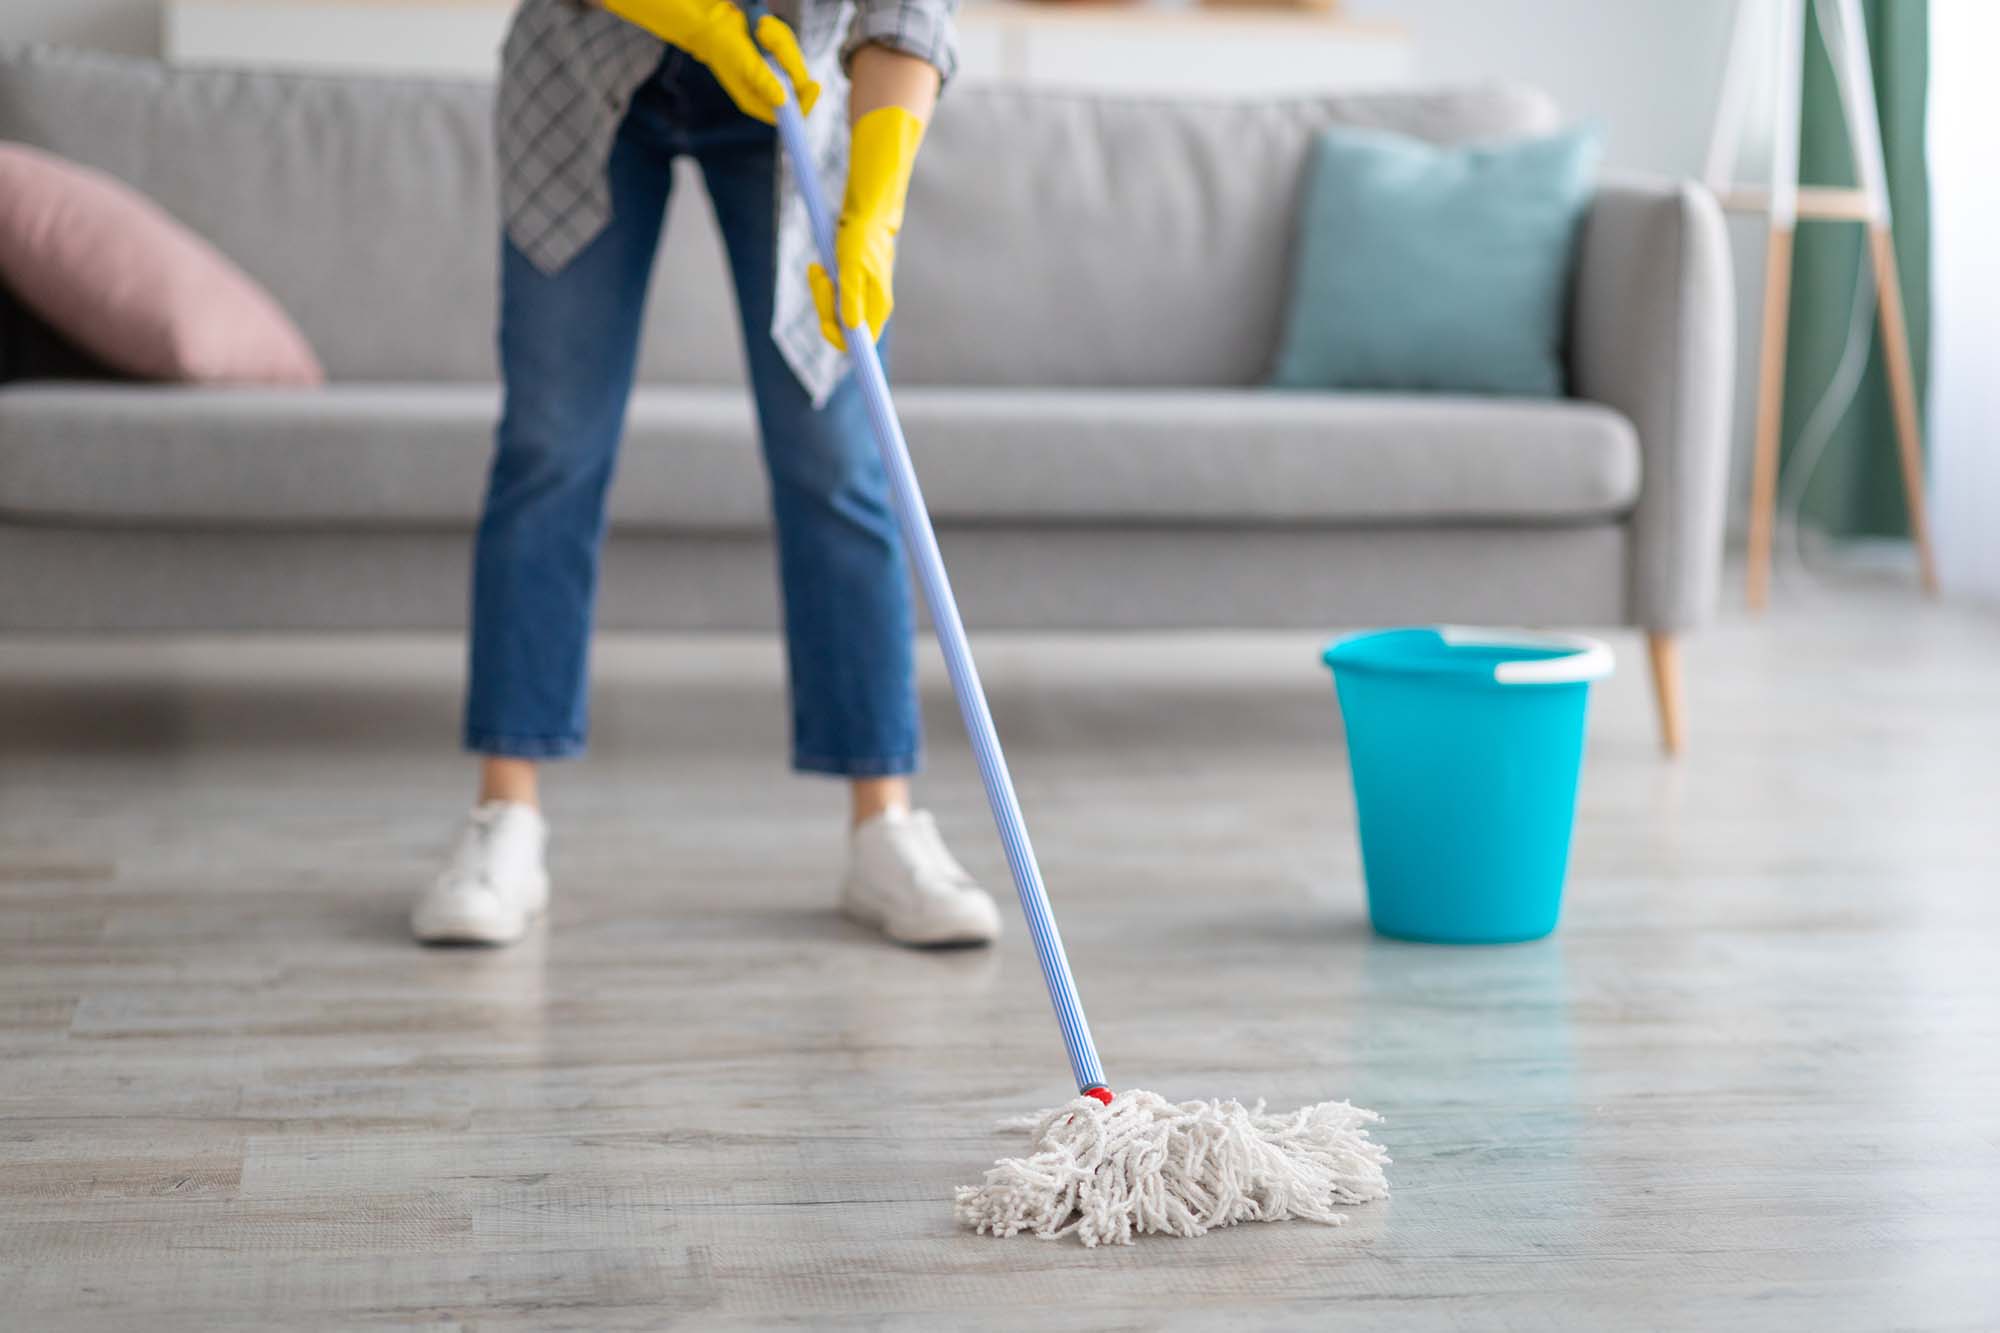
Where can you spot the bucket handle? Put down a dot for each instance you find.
(1583, 658)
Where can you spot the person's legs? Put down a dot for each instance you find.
(568, 346)
(849, 619)
(869, 797)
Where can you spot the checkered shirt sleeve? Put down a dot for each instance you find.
(921, 28)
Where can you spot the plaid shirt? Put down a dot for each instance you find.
(569, 72)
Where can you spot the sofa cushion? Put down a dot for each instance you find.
(120, 277)
(414, 457)
(1426, 269)
(1053, 238)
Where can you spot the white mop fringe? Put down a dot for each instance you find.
(1145, 1164)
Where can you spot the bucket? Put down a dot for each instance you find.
(1465, 746)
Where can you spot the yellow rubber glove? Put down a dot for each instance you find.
(717, 33)
(864, 245)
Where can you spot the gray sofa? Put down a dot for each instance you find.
(1090, 294)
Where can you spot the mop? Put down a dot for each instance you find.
(1102, 1168)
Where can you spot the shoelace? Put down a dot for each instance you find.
(925, 847)
(472, 863)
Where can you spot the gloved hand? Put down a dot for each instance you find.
(864, 244)
(717, 33)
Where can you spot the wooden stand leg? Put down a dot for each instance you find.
(1903, 397)
(1770, 412)
(1664, 653)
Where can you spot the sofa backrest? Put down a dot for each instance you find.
(1053, 239)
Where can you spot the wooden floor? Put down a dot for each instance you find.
(1753, 1082)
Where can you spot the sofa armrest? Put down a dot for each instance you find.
(1652, 333)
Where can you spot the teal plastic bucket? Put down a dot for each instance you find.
(1465, 746)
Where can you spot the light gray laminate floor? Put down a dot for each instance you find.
(1754, 1081)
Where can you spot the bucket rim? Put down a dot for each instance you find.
(1579, 660)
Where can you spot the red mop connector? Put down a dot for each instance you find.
(1102, 1093)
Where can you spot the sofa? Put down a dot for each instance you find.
(1090, 295)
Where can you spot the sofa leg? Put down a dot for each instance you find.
(1664, 653)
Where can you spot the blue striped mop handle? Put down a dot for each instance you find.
(923, 547)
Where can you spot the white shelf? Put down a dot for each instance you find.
(1178, 52)
(1116, 48)
(437, 37)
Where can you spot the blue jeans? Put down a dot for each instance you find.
(568, 348)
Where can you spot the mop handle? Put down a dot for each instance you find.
(929, 564)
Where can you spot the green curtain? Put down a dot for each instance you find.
(1856, 489)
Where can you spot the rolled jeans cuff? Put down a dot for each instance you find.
(890, 766)
(523, 747)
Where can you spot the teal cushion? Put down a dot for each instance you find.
(1422, 267)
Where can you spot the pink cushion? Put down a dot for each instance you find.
(125, 281)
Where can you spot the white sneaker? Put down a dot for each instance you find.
(496, 883)
(903, 881)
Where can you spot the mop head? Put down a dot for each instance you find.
(1144, 1164)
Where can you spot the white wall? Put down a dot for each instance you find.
(1647, 69)
(1965, 395)
(129, 27)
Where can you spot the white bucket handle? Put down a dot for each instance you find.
(1583, 658)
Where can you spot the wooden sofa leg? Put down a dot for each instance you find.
(1664, 652)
